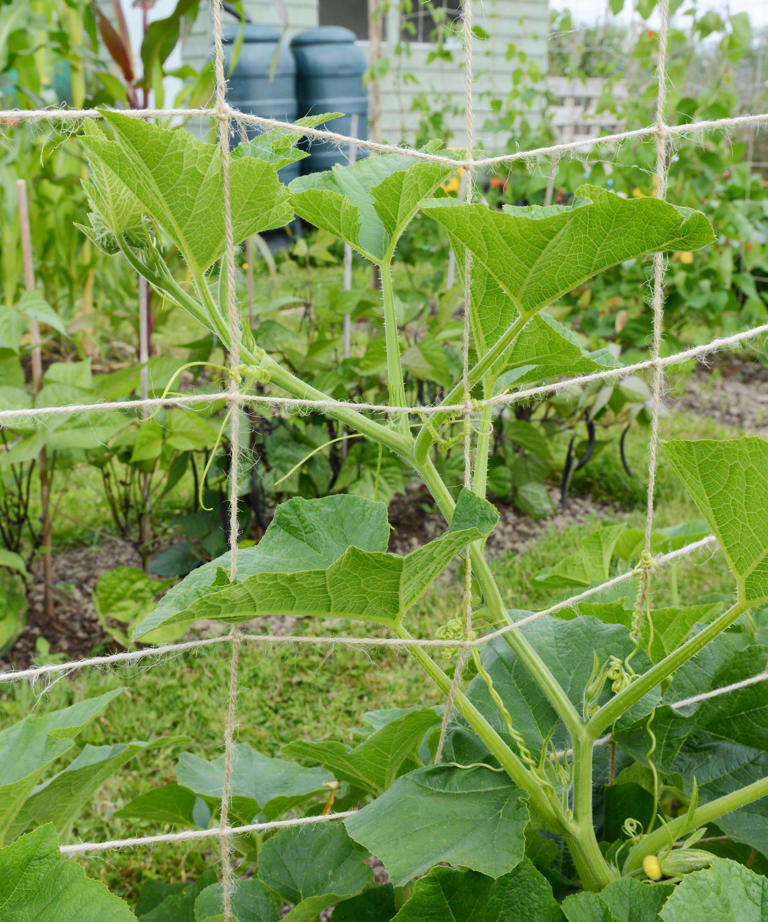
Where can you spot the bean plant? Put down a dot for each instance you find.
(577, 780)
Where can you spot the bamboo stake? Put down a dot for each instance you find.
(37, 382)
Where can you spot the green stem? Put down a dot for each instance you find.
(482, 450)
(398, 442)
(394, 367)
(162, 280)
(707, 813)
(594, 871)
(209, 315)
(515, 639)
(496, 745)
(613, 709)
(486, 364)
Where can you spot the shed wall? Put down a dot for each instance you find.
(522, 22)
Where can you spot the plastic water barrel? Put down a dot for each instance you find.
(329, 78)
(250, 88)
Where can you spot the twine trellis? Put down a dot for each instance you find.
(226, 116)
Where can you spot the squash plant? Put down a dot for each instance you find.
(46, 780)
(526, 806)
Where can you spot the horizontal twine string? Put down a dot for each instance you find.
(13, 116)
(214, 833)
(530, 393)
(396, 642)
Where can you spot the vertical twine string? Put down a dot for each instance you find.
(467, 396)
(659, 268)
(224, 118)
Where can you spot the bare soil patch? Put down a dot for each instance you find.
(75, 630)
(732, 391)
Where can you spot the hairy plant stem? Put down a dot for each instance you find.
(483, 447)
(610, 712)
(529, 657)
(706, 813)
(208, 314)
(511, 764)
(594, 870)
(487, 364)
(394, 366)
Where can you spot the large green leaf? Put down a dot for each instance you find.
(569, 649)
(250, 902)
(375, 763)
(445, 895)
(724, 892)
(473, 817)
(115, 210)
(361, 584)
(33, 304)
(719, 768)
(369, 203)
(12, 329)
(534, 255)
(150, 160)
(36, 883)
(624, 900)
(547, 349)
(312, 867)
(258, 782)
(729, 482)
(30, 746)
(303, 535)
(60, 799)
